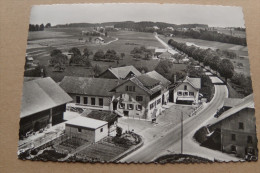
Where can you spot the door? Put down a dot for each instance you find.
(115, 105)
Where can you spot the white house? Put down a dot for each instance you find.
(187, 91)
(86, 128)
(99, 40)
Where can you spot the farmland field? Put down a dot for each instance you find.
(41, 43)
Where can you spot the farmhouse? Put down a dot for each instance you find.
(141, 97)
(92, 93)
(86, 128)
(43, 103)
(187, 91)
(99, 40)
(120, 73)
(234, 131)
(110, 117)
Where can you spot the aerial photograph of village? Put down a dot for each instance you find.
(137, 83)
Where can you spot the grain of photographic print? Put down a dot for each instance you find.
(137, 83)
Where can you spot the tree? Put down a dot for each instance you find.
(41, 28)
(97, 70)
(122, 55)
(177, 57)
(48, 25)
(55, 52)
(87, 52)
(75, 51)
(87, 62)
(119, 131)
(226, 69)
(99, 55)
(215, 63)
(111, 55)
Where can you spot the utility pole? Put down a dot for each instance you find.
(181, 132)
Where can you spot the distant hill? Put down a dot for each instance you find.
(132, 25)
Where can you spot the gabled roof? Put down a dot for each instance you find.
(248, 102)
(86, 122)
(195, 82)
(41, 94)
(122, 72)
(89, 86)
(153, 74)
(99, 38)
(144, 82)
(107, 116)
(231, 102)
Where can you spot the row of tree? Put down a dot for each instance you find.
(37, 27)
(109, 55)
(209, 35)
(142, 53)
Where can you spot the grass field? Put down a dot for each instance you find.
(41, 43)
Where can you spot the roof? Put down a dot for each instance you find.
(231, 102)
(160, 50)
(107, 116)
(41, 94)
(122, 72)
(89, 86)
(86, 122)
(153, 74)
(195, 82)
(100, 38)
(148, 81)
(248, 102)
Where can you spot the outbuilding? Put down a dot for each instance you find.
(86, 128)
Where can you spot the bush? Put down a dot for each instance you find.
(119, 131)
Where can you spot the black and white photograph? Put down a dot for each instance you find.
(137, 83)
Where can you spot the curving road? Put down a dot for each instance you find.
(152, 150)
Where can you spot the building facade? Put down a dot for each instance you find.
(187, 91)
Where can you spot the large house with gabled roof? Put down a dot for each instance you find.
(91, 93)
(141, 97)
(187, 91)
(120, 73)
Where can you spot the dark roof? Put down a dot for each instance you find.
(89, 86)
(148, 81)
(107, 116)
(122, 72)
(153, 74)
(195, 82)
(42, 94)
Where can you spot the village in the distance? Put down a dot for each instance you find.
(137, 92)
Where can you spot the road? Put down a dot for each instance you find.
(152, 150)
(170, 50)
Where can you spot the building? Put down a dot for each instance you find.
(43, 103)
(109, 116)
(86, 128)
(158, 52)
(234, 131)
(120, 73)
(99, 40)
(92, 93)
(187, 91)
(141, 97)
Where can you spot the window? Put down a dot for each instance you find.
(126, 88)
(139, 98)
(151, 106)
(93, 101)
(241, 125)
(185, 87)
(85, 100)
(233, 149)
(185, 93)
(191, 93)
(134, 88)
(77, 99)
(100, 101)
(122, 106)
(179, 93)
(130, 106)
(158, 101)
(101, 130)
(249, 139)
(139, 107)
(79, 130)
(233, 137)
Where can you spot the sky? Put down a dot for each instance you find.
(215, 16)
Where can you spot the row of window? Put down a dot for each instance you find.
(156, 102)
(80, 130)
(130, 88)
(130, 106)
(92, 101)
(249, 138)
(185, 93)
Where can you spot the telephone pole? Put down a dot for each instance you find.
(181, 132)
